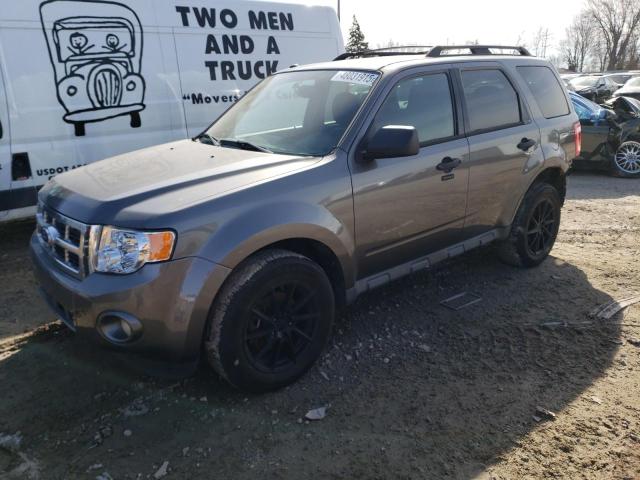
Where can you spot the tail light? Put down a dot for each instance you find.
(577, 131)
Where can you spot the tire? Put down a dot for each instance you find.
(534, 229)
(270, 322)
(626, 161)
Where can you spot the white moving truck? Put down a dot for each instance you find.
(82, 80)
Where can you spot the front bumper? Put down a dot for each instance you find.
(171, 300)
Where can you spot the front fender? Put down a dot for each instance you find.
(270, 223)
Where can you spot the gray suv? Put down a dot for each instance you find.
(321, 183)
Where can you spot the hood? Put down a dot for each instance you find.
(166, 178)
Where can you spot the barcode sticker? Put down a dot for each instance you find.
(359, 78)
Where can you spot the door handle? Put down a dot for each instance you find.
(1, 132)
(526, 144)
(448, 164)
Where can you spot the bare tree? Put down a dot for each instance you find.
(578, 41)
(540, 42)
(599, 52)
(617, 21)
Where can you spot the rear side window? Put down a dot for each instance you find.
(546, 90)
(492, 102)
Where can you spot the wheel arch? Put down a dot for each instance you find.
(321, 254)
(553, 175)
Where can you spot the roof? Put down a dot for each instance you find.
(384, 62)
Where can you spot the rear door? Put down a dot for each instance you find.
(504, 145)
(5, 154)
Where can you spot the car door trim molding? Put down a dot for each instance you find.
(425, 262)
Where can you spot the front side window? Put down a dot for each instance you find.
(296, 113)
(422, 102)
(546, 90)
(491, 100)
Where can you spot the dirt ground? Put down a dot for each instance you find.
(413, 390)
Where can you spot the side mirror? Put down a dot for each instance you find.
(391, 141)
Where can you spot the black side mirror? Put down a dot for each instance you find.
(391, 141)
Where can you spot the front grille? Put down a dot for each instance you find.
(66, 240)
(108, 88)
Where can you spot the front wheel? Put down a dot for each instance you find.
(626, 161)
(534, 229)
(271, 321)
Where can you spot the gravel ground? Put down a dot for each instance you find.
(524, 384)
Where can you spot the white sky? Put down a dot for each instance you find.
(428, 22)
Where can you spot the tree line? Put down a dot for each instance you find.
(605, 35)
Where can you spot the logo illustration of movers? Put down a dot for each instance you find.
(232, 44)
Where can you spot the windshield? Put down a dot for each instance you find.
(295, 113)
(584, 81)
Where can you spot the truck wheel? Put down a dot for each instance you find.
(626, 161)
(136, 122)
(534, 228)
(79, 130)
(271, 321)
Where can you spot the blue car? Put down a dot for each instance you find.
(610, 134)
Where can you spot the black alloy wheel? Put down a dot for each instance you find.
(281, 325)
(541, 229)
(271, 320)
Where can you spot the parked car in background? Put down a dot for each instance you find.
(567, 84)
(610, 135)
(593, 87)
(620, 79)
(323, 182)
(630, 89)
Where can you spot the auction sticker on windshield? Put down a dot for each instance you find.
(359, 78)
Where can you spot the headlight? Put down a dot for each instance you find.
(125, 251)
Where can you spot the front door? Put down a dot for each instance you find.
(406, 207)
(5, 155)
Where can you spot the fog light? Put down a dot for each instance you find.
(71, 91)
(119, 327)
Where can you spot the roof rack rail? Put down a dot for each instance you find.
(438, 51)
(387, 51)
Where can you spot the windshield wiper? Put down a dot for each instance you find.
(206, 139)
(233, 142)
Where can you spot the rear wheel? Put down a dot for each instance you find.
(626, 161)
(534, 229)
(271, 321)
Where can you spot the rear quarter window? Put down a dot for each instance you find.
(546, 89)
